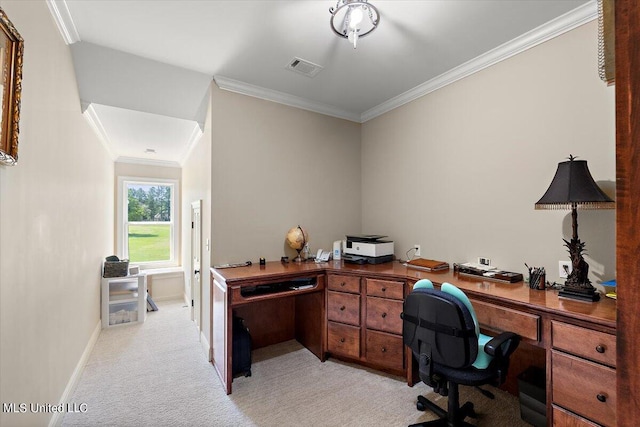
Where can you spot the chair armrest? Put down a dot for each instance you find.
(501, 348)
(503, 345)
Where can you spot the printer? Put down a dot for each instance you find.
(368, 249)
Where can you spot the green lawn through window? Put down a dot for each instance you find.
(149, 243)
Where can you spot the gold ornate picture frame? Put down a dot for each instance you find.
(606, 41)
(11, 53)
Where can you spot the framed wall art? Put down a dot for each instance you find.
(11, 53)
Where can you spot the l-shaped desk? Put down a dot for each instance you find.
(352, 312)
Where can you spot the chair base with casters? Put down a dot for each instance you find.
(460, 413)
(455, 414)
(441, 329)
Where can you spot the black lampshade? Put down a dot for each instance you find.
(574, 185)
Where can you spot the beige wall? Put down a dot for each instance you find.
(196, 185)
(459, 170)
(56, 226)
(274, 167)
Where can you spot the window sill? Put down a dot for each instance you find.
(164, 270)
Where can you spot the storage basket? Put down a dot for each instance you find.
(116, 268)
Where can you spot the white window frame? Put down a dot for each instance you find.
(122, 235)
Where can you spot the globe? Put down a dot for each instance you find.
(297, 238)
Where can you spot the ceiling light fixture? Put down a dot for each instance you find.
(353, 19)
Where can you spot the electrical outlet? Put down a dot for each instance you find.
(484, 261)
(417, 248)
(564, 269)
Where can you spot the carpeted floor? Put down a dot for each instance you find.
(155, 374)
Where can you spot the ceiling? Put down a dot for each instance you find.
(245, 46)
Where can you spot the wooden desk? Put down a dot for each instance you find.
(576, 339)
(271, 318)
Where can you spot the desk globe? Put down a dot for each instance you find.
(297, 238)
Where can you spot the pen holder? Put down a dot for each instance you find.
(537, 281)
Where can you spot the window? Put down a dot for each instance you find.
(147, 232)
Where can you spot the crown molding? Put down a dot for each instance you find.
(562, 24)
(92, 117)
(62, 16)
(558, 26)
(541, 34)
(148, 162)
(284, 98)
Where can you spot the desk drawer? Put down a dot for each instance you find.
(594, 345)
(505, 319)
(584, 387)
(385, 350)
(384, 315)
(564, 418)
(385, 288)
(338, 282)
(343, 340)
(343, 307)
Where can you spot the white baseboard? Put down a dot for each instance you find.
(56, 419)
(204, 342)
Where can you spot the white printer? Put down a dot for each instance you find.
(368, 249)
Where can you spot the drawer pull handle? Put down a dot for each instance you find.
(341, 339)
(384, 350)
(384, 289)
(384, 315)
(342, 284)
(601, 397)
(342, 308)
(600, 349)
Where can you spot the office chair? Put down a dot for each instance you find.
(441, 328)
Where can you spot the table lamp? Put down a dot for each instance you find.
(573, 187)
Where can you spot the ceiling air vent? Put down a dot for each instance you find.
(301, 66)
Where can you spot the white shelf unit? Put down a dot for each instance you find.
(124, 300)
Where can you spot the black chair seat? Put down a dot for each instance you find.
(470, 377)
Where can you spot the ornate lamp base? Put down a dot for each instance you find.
(582, 294)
